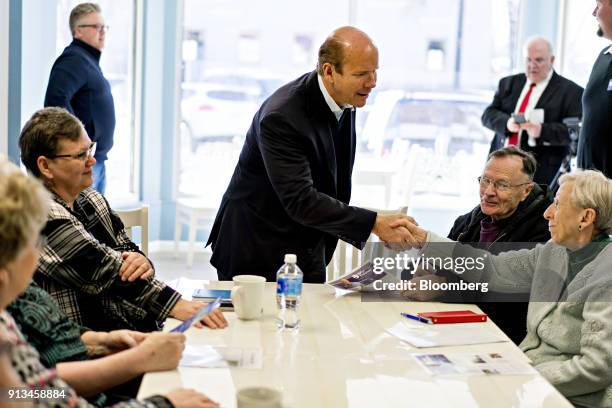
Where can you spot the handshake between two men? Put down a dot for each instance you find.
(399, 231)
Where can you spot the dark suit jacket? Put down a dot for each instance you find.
(289, 192)
(561, 99)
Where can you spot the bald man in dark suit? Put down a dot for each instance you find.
(540, 87)
(291, 188)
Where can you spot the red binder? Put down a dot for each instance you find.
(454, 316)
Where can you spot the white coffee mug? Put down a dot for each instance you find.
(248, 295)
(258, 397)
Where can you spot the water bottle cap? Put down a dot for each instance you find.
(290, 258)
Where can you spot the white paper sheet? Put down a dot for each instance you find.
(536, 116)
(221, 357)
(445, 335)
(472, 364)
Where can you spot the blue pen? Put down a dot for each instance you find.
(417, 318)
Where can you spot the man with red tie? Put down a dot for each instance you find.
(543, 99)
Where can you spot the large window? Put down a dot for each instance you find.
(420, 138)
(117, 63)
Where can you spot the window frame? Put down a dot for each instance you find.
(4, 73)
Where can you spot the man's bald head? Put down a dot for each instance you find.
(539, 58)
(339, 44)
(540, 43)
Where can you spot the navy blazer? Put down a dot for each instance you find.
(561, 99)
(289, 192)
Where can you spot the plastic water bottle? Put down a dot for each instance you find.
(288, 293)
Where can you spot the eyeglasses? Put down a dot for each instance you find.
(98, 27)
(537, 61)
(82, 156)
(499, 185)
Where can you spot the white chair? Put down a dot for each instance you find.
(196, 215)
(137, 217)
(341, 264)
(375, 178)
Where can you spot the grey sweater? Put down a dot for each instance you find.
(569, 324)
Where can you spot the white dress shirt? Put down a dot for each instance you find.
(537, 92)
(336, 110)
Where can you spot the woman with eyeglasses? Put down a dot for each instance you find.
(98, 276)
(23, 213)
(569, 320)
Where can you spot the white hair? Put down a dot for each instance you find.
(592, 190)
(536, 39)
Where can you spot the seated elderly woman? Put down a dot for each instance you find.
(98, 276)
(569, 322)
(101, 366)
(23, 212)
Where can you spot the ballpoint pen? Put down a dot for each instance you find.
(417, 318)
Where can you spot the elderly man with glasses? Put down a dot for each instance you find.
(540, 99)
(509, 216)
(77, 84)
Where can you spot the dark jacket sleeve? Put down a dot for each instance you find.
(494, 117)
(288, 168)
(556, 133)
(65, 80)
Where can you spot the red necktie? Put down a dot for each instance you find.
(513, 140)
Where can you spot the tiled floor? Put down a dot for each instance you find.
(168, 267)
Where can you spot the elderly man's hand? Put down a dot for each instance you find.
(134, 266)
(184, 309)
(534, 130)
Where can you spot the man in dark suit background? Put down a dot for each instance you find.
(539, 88)
(291, 188)
(595, 144)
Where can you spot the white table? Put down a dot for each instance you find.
(342, 357)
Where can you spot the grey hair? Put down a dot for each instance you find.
(529, 162)
(80, 11)
(592, 190)
(537, 38)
